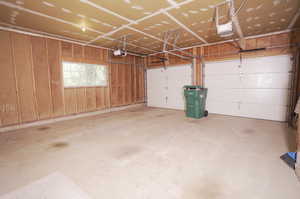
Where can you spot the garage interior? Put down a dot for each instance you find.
(92, 101)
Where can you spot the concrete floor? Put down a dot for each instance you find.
(147, 153)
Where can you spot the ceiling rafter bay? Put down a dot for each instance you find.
(145, 23)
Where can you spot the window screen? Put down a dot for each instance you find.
(84, 75)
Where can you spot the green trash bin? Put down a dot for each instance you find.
(195, 100)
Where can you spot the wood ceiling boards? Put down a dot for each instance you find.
(144, 23)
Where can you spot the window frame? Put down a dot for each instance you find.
(85, 62)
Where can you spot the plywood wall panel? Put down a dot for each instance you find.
(133, 80)
(8, 92)
(104, 55)
(141, 83)
(100, 97)
(114, 84)
(263, 42)
(24, 74)
(70, 97)
(128, 81)
(67, 49)
(280, 39)
(91, 53)
(107, 98)
(42, 77)
(77, 51)
(91, 98)
(81, 100)
(120, 81)
(54, 60)
(32, 80)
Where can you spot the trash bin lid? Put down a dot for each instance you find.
(192, 87)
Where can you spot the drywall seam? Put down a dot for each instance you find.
(36, 107)
(294, 20)
(16, 79)
(140, 20)
(153, 37)
(57, 19)
(156, 39)
(106, 10)
(236, 23)
(230, 40)
(49, 77)
(184, 27)
(106, 34)
(11, 5)
(32, 32)
(49, 121)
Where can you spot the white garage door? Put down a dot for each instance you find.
(165, 86)
(255, 88)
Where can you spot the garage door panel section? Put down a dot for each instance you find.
(224, 95)
(263, 111)
(274, 64)
(219, 107)
(165, 86)
(215, 68)
(156, 87)
(267, 80)
(256, 87)
(177, 77)
(271, 97)
(225, 81)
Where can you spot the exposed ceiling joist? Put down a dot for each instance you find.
(181, 56)
(184, 27)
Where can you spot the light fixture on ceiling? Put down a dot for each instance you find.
(83, 28)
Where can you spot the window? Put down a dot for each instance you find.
(84, 75)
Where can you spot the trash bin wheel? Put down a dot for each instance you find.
(205, 113)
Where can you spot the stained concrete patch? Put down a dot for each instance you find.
(249, 131)
(161, 115)
(43, 128)
(205, 188)
(127, 152)
(59, 145)
(53, 186)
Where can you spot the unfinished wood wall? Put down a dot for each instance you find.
(127, 80)
(171, 60)
(31, 81)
